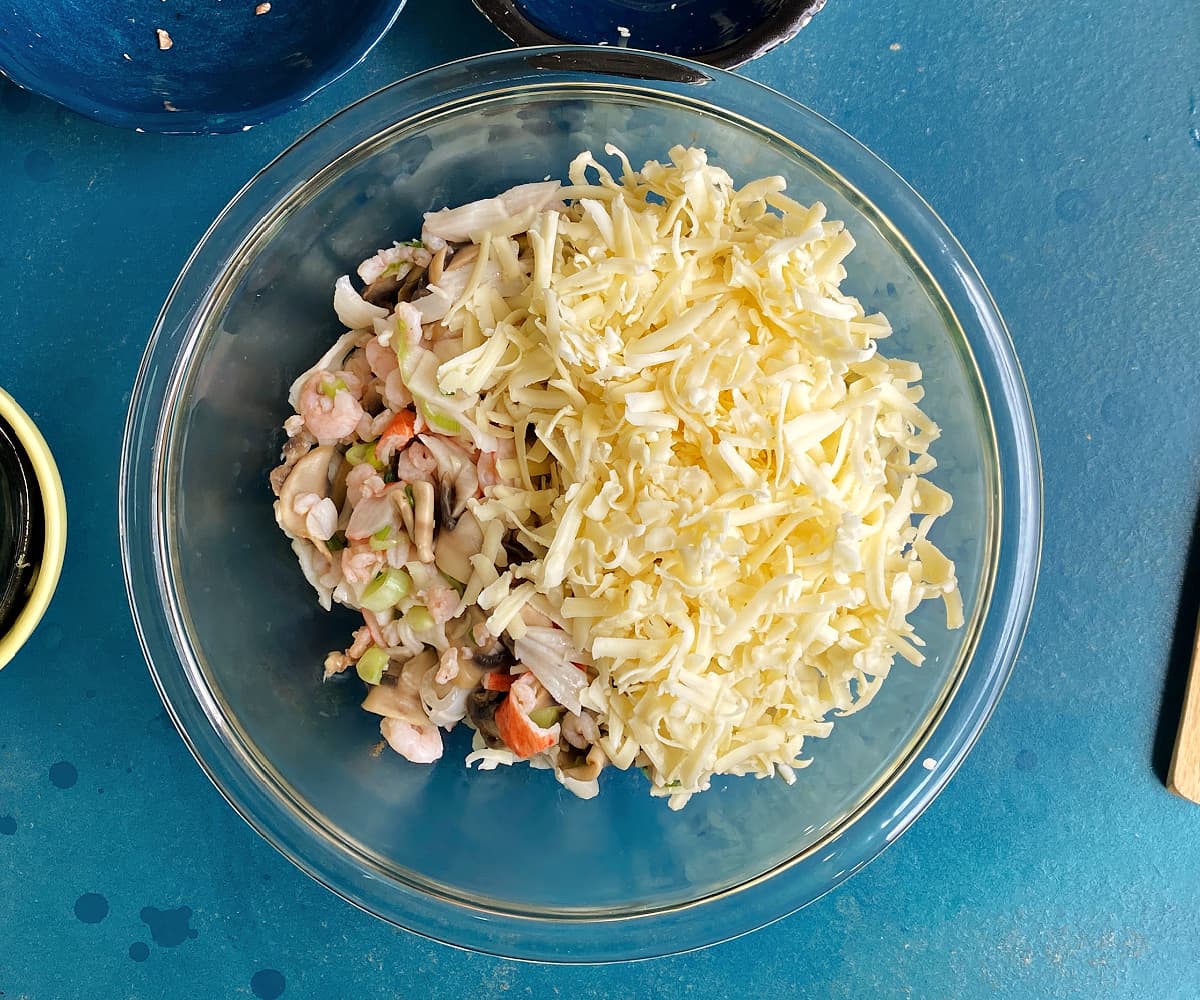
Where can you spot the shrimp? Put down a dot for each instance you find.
(447, 665)
(416, 464)
(359, 365)
(382, 358)
(361, 564)
(329, 405)
(395, 393)
(375, 629)
(373, 267)
(580, 730)
(373, 514)
(320, 515)
(442, 602)
(335, 663)
(372, 425)
(361, 643)
(361, 482)
(488, 465)
(419, 744)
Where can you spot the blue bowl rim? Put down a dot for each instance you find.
(198, 122)
(686, 926)
(508, 17)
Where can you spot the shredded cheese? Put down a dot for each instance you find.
(718, 475)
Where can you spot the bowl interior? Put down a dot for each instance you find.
(253, 637)
(227, 66)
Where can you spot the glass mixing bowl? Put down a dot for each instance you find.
(508, 862)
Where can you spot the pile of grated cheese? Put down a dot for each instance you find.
(720, 477)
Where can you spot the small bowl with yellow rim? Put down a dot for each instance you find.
(33, 527)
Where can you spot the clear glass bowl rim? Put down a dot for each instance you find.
(608, 938)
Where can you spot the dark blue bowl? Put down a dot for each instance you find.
(723, 33)
(227, 67)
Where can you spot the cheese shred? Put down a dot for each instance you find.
(720, 476)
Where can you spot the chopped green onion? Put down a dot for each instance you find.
(337, 542)
(411, 243)
(332, 389)
(380, 541)
(372, 664)
(400, 345)
(408, 495)
(387, 590)
(435, 418)
(418, 618)
(360, 453)
(456, 584)
(544, 718)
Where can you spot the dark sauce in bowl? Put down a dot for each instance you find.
(22, 527)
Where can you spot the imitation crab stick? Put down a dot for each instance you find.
(520, 733)
(400, 431)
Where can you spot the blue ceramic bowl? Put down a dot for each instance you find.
(718, 32)
(507, 861)
(227, 66)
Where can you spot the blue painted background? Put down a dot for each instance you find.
(1061, 142)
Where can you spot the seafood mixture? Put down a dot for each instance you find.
(615, 474)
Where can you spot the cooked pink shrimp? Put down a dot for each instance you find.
(359, 365)
(361, 482)
(381, 422)
(488, 464)
(442, 601)
(447, 665)
(329, 405)
(373, 514)
(416, 463)
(395, 392)
(382, 359)
(336, 663)
(375, 628)
(420, 744)
(362, 642)
(361, 564)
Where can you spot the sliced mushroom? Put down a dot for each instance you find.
(470, 634)
(411, 283)
(384, 289)
(455, 546)
(457, 477)
(467, 255)
(402, 700)
(338, 488)
(436, 266)
(400, 497)
(481, 713)
(422, 534)
(591, 767)
(309, 475)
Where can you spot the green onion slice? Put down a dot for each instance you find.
(372, 664)
(387, 590)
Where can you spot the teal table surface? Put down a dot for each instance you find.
(1061, 143)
